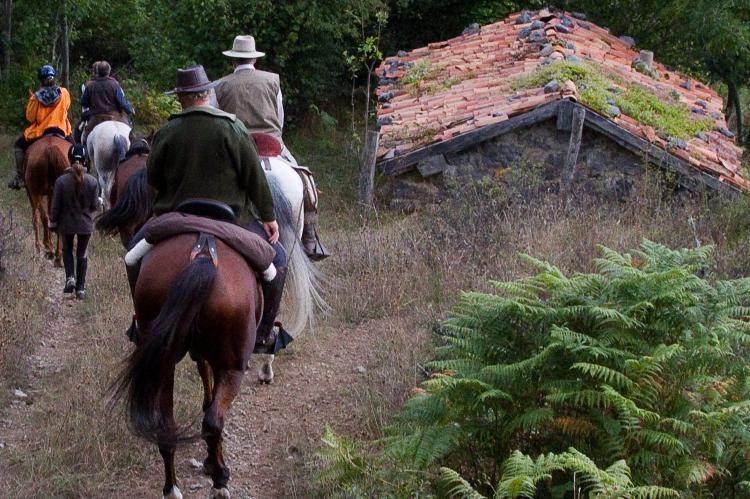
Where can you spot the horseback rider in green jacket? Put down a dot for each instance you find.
(203, 152)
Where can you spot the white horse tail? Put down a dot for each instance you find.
(107, 144)
(304, 280)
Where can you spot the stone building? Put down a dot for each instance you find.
(553, 89)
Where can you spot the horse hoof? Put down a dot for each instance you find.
(58, 263)
(49, 255)
(174, 493)
(265, 374)
(222, 493)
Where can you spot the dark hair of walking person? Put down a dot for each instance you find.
(75, 201)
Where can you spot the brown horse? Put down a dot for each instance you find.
(46, 159)
(210, 311)
(134, 161)
(129, 210)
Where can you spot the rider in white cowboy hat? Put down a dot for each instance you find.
(254, 96)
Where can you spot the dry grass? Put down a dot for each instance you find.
(413, 268)
(392, 279)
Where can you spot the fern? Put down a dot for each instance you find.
(640, 370)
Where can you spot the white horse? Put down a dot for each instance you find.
(302, 290)
(107, 144)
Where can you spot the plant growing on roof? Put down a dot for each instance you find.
(599, 91)
(425, 77)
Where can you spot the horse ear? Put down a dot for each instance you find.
(150, 136)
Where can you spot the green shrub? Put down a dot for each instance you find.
(152, 107)
(634, 378)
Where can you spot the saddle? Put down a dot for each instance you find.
(266, 144)
(54, 132)
(210, 218)
(268, 147)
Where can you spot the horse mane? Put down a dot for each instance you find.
(139, 146)
(134, 206)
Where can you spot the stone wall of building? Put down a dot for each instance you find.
(603, 168)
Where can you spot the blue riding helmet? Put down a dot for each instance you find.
(77, 153)
(45, 72)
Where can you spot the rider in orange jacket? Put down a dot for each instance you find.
(47, 108)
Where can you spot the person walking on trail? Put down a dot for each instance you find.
(203, 152)
(46, 109)
(254, 96)
(105, 100)
(75, 201)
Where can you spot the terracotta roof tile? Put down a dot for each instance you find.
(474, 89)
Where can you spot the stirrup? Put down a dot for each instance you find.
(278, 339)
(316, 251)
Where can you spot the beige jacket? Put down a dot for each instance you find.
(251, 95)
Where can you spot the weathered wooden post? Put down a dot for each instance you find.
(367, 172)
(574, 145)
(576, 132)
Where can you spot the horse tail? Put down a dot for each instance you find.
(305, 281)
(119, 150)
(134, 206)
(149, 371)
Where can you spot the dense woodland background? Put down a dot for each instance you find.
(321, 47)
(639, 361)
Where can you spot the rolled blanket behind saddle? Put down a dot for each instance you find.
(253, 248)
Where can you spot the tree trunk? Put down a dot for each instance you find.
(735, 98)
(66, 49)
(367, 172)
(7, 25)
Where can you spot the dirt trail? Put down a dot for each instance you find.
(269, 426)
(270, 429)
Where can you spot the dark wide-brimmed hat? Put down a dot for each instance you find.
(192, 80)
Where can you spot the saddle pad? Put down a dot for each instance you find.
(254, 249)
(266, 144)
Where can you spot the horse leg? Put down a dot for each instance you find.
(225, 390)
(35, 221)
(207, 377)
(57, 251)
(265, 371)
(47, 239)
(166, 443)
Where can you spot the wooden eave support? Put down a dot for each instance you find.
(578, 117)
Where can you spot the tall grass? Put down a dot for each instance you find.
(391, 279)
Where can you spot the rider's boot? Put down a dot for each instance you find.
(266, 337)
(133, 270)
(82, 265)
(18, 181)
(314, 249)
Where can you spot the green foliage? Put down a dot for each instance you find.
(672, 118)
(632, 381)
(424, 77)
(152, 107)
(598, 90)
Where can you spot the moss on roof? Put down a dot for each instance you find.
(605, 92)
